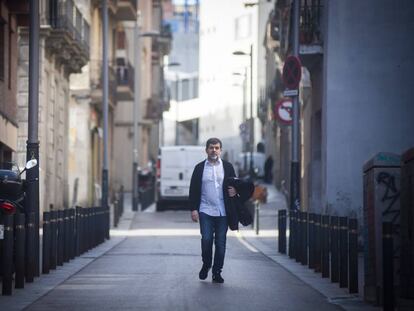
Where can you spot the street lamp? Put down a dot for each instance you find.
(251, 126)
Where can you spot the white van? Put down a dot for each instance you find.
(174, 169)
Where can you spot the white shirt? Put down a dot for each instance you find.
(212, 202)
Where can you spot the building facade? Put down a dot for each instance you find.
(63, 51)
(357, 102)
(12, 15)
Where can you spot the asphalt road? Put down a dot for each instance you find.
(156, 268)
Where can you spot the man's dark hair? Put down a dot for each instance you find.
(213, 141)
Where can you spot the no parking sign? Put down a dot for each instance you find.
(283, 111)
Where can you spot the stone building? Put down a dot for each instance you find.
(12, 15)
(356, 103)
(154, 43)
(64, 49)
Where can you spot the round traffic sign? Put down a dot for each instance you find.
(283, 111)
(292, 72)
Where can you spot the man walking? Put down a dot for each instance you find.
(209, 204)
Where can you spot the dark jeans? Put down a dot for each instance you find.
(213, 228)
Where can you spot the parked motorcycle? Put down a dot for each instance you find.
(12, 191)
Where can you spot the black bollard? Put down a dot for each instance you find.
(343, 252)
(107, 222)
(318, 238)
(66, 235)
(103, 228)
(387, 267)
(78, 230)
(20, 232)
(298, 237)
(53, 239)
(353, 255)
(282, 231)
(94, 222)
(100, 225)
(46, 243)
(72, 233)
(7, 280)
(334, 247)
(30, 251)
(82, 230)
(292, 225)
(60, 239)
(115, 218)
(304, 233)
(325, 246)
(85, 229)
(88, 228)
(121, 190)
(311, 221)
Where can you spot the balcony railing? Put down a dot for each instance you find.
(66, 17)
(96, 81)
(310, 31)
(85, 36)
(125, 75)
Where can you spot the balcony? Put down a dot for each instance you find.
(112, 5)
(162, 43)
(127, 10)
(154, 108)
(96, 83)
(69, 35)
(125, 80)
(310, 28)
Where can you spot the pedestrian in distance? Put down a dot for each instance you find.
(268, 166)
(209, 200)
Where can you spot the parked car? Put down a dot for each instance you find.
(174, 169)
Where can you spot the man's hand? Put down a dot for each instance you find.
(194, 216)
(232, 191)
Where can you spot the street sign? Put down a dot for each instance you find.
(289, 93)
(292, 72)
(283, 111)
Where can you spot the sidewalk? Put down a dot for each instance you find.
(22, 298)
(267, 243)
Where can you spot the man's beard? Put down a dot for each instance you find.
(214, 157)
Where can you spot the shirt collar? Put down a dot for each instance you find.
(219, 162)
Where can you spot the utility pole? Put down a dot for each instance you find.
(32, 147)
(251, 127)
(177, 123)
(295, 167)
(105, 111)
(137, 61)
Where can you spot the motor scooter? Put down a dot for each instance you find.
(12, 192)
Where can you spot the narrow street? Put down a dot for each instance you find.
(156, 268)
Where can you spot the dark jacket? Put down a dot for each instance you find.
(195, 191)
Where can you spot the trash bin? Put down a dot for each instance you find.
(407, 225)
(381, 203)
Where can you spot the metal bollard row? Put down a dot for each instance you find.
(66, 234)
(326, 244)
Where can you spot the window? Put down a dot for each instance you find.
(185, 91)
(243, 27)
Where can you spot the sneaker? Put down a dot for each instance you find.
(203, 272)
(217, 278)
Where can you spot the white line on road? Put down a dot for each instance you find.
(246, 244)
